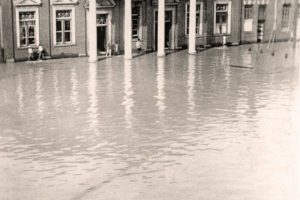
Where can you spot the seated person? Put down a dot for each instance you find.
(41, 52)
(30, 54)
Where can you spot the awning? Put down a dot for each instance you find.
(27, 2)
(259, 2)
(63, 2)
(103, 4)
(167, 2)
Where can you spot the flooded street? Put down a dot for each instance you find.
(173, 128)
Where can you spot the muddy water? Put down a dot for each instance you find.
(179, 127)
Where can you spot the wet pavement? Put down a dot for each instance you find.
(173, 128)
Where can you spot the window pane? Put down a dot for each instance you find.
(58, 25)
(135, 21)
(23, 31)
(285, 15)
(67, 25)
(31, 31)
(67, 37)
(31, 41)
(63, 14)
(23, 41)
(58, 37)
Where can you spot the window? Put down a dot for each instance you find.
(136, 20)
(248, 14)
(262, 12)
(222, 18)
(198, 19)
(248, 18)
(286, 16)
(27, 28)
(64, 26)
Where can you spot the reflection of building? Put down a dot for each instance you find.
(61, 25)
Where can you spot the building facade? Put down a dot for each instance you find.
(264, 19)
(61, 26)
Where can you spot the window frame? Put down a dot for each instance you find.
(200, 25)
(228, 3)
(249, 11)
(56, 8)
(248, 17)
(286, 17)
(140, 17)
(36, 31)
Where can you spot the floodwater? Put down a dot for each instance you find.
(173, 128)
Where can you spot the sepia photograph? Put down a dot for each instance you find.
(149, 99)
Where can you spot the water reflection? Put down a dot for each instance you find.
(20, 95)
(160, 82)
(128, 100)
(74, 90)
(56, 86)
(39, 93)
(191, 84)
(192, 121)
(93, 98)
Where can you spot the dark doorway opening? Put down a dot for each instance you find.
(101, 38)
(168, 29)
(261, 23)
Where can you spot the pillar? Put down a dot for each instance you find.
(192, 27)
(92, 27)
(295, 23)
(128, 30)
(161, 29)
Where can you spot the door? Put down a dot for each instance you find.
(101, 38)
(168, 29)
(261, 23)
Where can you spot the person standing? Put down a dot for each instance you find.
(138, 45)
(108, 50)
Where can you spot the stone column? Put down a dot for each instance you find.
(128, 30)
(192, 27)
(161, 29)
(92, 31)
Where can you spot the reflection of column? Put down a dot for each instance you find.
(74, 89)
(128, 30)
(93, 98)
(191, 83)
(92, 31)
(160, 79)
(20, 95)
(39, 95)
(161, 28)
(192, 27)
(57, 98)
(128, 101)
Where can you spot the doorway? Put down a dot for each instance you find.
(168, 29)
(101, 38)
(261, 23)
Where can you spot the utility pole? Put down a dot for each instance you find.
(295, 23)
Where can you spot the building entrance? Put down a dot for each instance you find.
(261, 23)
(168, 29)
(102, 23)
(101, 38)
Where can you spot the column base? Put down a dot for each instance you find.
(192, 52)
(127, 57)
(93, 60)
(161, 54)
